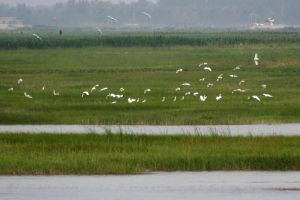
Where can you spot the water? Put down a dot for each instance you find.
(164, 186)
(262, 129)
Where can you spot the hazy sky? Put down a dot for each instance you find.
(49, 2)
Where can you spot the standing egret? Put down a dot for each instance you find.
(99, 30)
(182, 98)
(218, 98)
(130, 100)
(27, 95)
(256, 59)
(122, 89)
(44, 87)
(163, 99)
(175, 98)
(187, 94)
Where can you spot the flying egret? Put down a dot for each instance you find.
(239, 90)
(20, 81)
(210, 85)
(130, 100)
(256, 98)
(27, 95)
(196, 94)
(220, 77)
(218, 98)
(187, 94)
(264, 86)
(114, 102)
(236, 68)
(268, 95)
(94, 88)
(163, 99)
(112, 19)
(99, 30)
(103, 89)
(122, 89)
(256, 59)
(202, 79)
(233, 76)
(241, 82)
(185, 84)
(182, 98)
(55, 93)
(179, 71)
(147, 91)
(207, 69)
(37, 36)
(85, 93)
(178, 89)
(147, 15)
(203, 98)
(11, 89)
(203, 64)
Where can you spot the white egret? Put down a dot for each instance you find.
(239, 90)
(236, 68)
(11, 89)
(268, 95)
(241, 82)
(147, 91)
(147, 15)
(112, 19)
(144, 101)
(94, 88)
(264, 86)
(55, 93)
(256, 98)
(233, 76)
(27, 95)
(163, 99)
(203, 98)
(99, 30)
(44, 87)
(202, 79)
(179, 71)
(20, 81)
(220, 77)
(186, 84)
(210, 85)
(196, 94)
(122, 89)
(187, 94)
(256, 59)
(85, 93)
(178, 89)
(114, 102)
(103, 89)
(37, 36)
(130, 100)
(203, 64)
(182, 98)
(175, 98)
(207, 69)
(218, 98)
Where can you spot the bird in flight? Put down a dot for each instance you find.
(256, 59)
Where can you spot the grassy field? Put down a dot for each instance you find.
(70, 71)
(129, 154)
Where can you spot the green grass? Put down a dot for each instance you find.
(128, 154)
(70, 71)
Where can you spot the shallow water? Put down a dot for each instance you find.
(262, 129)
(164, 186)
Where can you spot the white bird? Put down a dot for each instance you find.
(147, 91)
(147, 15)
(44, 87)
(236, 68)
(85, 93)
(207, 69)
(112, 18)
(163, 99)
(144, 101)
(55, 93)
(210, 85)
(264, 86)
(179, 71)
(203, 64)
(196, 94)
(99, 30)
(268, 95)
(233, 76)
(220, 77)
(27, 95)
(178, 89)
(218, 98)
(94, 88)
(187, 94)
(256, 98)
(241, 82)
(202, 79)
(114, 102)
(175, 99)
(122, 89)
(182, 98)
(256, 59)
(37, 36)
(130, 100)
(203, 98)
(239, 90)
(186, 84)
(103, 89)
(11, 89)
(20, 81)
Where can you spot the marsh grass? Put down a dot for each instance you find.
(130, 154)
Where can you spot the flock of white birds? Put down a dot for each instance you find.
(202, 97)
